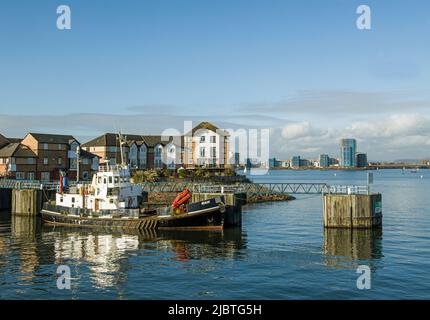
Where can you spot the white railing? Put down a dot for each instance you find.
(348, 189)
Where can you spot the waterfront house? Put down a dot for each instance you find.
(17, 161)
(206, 145)
(140, 151)
(57, 153)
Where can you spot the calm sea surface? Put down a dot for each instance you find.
(282, 252)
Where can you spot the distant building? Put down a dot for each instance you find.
(324, 161)
(295, 162)
(333, 162)
(305, 163)
(361, 160)
(348, 150)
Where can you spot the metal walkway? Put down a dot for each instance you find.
(249, 188)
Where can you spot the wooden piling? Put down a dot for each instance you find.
(5, 199)
(352, 210)
(28, 202)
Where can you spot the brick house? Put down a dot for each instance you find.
(17, 161)
(57, 153)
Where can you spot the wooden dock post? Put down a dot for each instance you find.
(28, 202)
(352, 210)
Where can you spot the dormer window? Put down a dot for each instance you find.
(202, 139)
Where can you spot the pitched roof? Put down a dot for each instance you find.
(86, 154)
(12, 140)
(16, 150)
(52, 138)
(208, 126)
(110, 140)
(3, 140)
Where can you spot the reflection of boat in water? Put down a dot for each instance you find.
(194, 244)
(351, 244)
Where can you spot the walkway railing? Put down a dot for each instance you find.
(249, 188)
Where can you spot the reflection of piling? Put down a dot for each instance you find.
(352, 210)
(360, 244)
(27, 202)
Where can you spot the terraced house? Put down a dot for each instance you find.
(206, 145)
(17, 161)
(141, 152)
(57, 153)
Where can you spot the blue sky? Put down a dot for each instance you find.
(301, 68)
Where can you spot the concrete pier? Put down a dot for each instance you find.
(352, 210)
(28, 202)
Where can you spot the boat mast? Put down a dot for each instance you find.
(121, 142)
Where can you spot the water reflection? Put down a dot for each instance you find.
(106, 253)
(342, 245)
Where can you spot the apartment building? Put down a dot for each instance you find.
(57, 153)
(206, 145)
(140, 151)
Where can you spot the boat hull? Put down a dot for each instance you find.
(211, 218)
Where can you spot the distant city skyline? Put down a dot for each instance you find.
(144, 66)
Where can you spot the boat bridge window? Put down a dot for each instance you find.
(113, 191)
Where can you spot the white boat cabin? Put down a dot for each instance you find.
(111, 189)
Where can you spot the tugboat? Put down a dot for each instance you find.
(113, 201)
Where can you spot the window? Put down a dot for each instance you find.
(116, 179)
(2, 161)
(85, 161)
(202, 139)
(85, 175)
(158, 150)
(12, 160)
(31, 160)
(30, 175)
(20, 175)
(45, 146)
(60, 147)
(110, 179)
(44, 176)
(202, 152)
(60, 161)
(213, 152)
(45, 161)
(213, 139)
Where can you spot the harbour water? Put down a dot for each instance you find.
(281, 252)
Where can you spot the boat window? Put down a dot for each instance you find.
(99, 180)
(73, 199)
(61, 199)
(111, 200)
(110, 179)
(104, 180)
(116, 179)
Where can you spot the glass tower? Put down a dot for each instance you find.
(348, 149)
